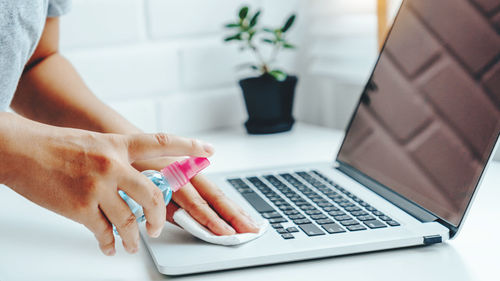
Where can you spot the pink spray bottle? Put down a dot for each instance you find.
(168, 180)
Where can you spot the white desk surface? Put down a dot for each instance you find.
(36, 244)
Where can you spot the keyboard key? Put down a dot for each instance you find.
(332, 228)
(371, 209)
(352, 209)
(336, 213)
(378, 213)
(301, 221)
(278, 220)
(287, 236)
(349, 222)
(285, 207)
(358, 200)
(393, 223)
(359, 213)
(292, 229)
(365, 218)
(318, 217)
(374, 224)
(385, 218)
(335, 197)
(347, 204)
(291, 212)
(325, 205)
(300, 202)
(296, 217)
(280, 202)
(356, 227)
(307, 207)
(339, 200)
(318, 200)
(311, 230)
(364, 204)
(244, 190)
(342, 218)
(271, 215)
(274, 199)
(331, 209)
(276, 225)
(324, 221)
(238, 183)
(313, 212)
(281, 230)
(257, 202)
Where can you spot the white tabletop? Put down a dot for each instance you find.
(36, 244)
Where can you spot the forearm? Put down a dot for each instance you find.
(52, 92)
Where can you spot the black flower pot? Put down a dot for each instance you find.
(269, 103)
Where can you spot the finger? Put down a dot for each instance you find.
(145, 146)
(171, 209)
(103, 232)
(227, 209)
(189, 199)
(146, 194)
(119, 214)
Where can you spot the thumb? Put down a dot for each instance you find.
(146, 146)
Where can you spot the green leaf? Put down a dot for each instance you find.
(243, 12)
(268, 41)
(254, 19)
(288, 23)
(268, 30)
(278, 74)
(232, 25)
(288, 46)
(233, 37)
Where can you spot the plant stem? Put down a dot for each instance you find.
(264, 65)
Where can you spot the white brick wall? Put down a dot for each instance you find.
(103, 22)
(162, 63)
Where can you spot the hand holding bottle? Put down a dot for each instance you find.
(78, 174)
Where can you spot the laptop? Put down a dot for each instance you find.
(415, 150)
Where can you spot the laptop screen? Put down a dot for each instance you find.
(430, 114)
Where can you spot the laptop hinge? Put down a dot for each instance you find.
(410, 207)
(432, 239)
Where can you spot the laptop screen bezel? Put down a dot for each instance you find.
(389, 194)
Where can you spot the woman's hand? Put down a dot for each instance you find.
(78, 173)
(205, 202)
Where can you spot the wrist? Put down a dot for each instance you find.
(11, 126)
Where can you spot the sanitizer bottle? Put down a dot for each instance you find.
(168, 180)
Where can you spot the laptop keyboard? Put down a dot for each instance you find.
(311, 203)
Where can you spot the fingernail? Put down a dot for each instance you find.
(228, 228)
(157, 233)
(208, 148)
(253, 224)
(110, 252)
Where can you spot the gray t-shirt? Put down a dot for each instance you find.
(21, 25)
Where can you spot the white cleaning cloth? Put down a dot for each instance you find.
(184, 219)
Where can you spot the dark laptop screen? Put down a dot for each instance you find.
(429, 117)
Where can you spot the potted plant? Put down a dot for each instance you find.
(268, 96)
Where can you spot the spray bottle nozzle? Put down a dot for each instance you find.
(179, 173)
